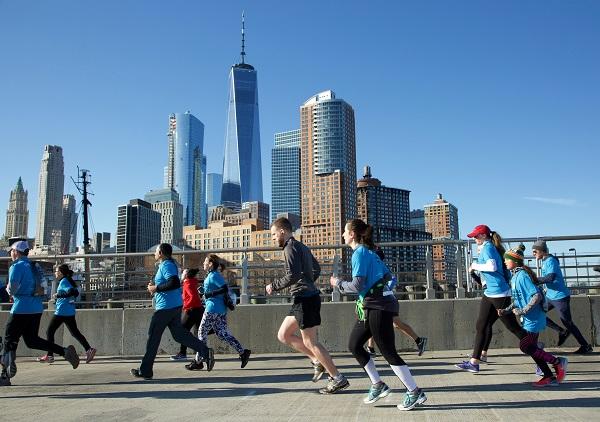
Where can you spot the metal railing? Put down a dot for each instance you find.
(425, 270)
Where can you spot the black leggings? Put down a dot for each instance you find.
(27, 326)
(488, 314)
(69, 321)
(380, 326)
(190, 318)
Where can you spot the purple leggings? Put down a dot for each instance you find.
(529, 346)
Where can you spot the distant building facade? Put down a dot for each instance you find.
(166, 202)
(69, 225)
(17, 213)
(50, 199)
(285, 174)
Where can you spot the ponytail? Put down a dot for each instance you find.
(363, 232)
(497, 242)
(533, 276)
(68, 274)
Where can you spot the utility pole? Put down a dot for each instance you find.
(84, 177)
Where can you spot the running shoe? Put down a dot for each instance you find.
(468, 366)
(179, 356)
(562, 337)
(376, 392)
(4, 381)
(194, 366)
(335, 384)
(584, 350)
(538, 371)
(482, 359)
(371, 351)
(210, 360)
(244, 357)
(71, 356)
(46, 359)
(136, 373)
(421, 344)
(8, 363)
(319, 370)
(90, 354)
(411, 399)
(561, 369)
(546, 382)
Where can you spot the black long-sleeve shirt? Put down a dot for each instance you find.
(301, 269)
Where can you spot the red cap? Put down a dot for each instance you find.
(480, 229)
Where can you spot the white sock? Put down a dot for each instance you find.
(405, 376)
(371, 371)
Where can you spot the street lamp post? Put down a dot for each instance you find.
(576, 265)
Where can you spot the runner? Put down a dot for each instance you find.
(193, 308)
(375, 307)
(301, 271)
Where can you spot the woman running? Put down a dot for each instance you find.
(65, 295)
(527, 305)
(376, 307)
(193, 308)
(215, 315)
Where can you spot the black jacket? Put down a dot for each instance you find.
(301, 269)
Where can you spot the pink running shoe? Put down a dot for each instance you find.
(89, 355)
(46, 359)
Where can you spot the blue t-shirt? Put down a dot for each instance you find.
(523, 289)
(495, 283)
(171, 298)
(215, 305)
(65, 306)
(20, 274)
(366, 263)
(557, 289)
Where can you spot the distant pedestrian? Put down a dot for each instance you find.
(301, 271)
(559, 297)
(526, 303)
(215, 315)
(193, 307)
(25, 315)
(65, 313)
(376, 307)
(166, 290)
(496, 295)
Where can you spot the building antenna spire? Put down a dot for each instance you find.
(243, 53)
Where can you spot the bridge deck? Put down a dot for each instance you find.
(278, 388)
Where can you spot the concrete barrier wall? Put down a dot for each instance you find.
(449, 324)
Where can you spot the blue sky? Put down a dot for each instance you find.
(493, 104)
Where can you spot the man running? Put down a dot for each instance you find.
(301, 271)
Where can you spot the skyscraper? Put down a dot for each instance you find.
(69, 225)
(242, 170)
(441, 220)
(214, 181)
(328, 169)
(101, 241)
(138, 227)
(17, 214)
(285, 174)
(166, 202)
(50, 201)
(185, 165)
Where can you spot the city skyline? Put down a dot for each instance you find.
(473, 89)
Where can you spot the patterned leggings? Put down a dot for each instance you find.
(218, 323)
(529, 346)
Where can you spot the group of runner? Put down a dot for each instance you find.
(511, 290)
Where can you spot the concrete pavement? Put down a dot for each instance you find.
(277, 387)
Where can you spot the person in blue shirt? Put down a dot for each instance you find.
(25, 315)
(526, 303)
(65, 295)
(496, 295)
(167, 301)
(215, 313)
(559, 297)
(376, 307)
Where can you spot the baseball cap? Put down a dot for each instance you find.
(20, 246)
(480, 229)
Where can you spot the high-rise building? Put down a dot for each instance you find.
(285, 174)
(69, 225)
(50, 201)
(255, 210)
(214, 181)
(386, 209)
(242, 170)
(166, 202)
(101, 242)
(441, 220)
(17, 214)
(185, 165)
(328, 170)
(417, 220)
(138, 227)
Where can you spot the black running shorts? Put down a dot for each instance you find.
(307, 311)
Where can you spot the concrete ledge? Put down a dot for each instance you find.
(449, 324)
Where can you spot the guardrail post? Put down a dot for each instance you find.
(429, 291)
(336, 296)
(460, 290)
(244, 297)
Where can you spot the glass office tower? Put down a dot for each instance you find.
(242, 169)
(285, 171)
